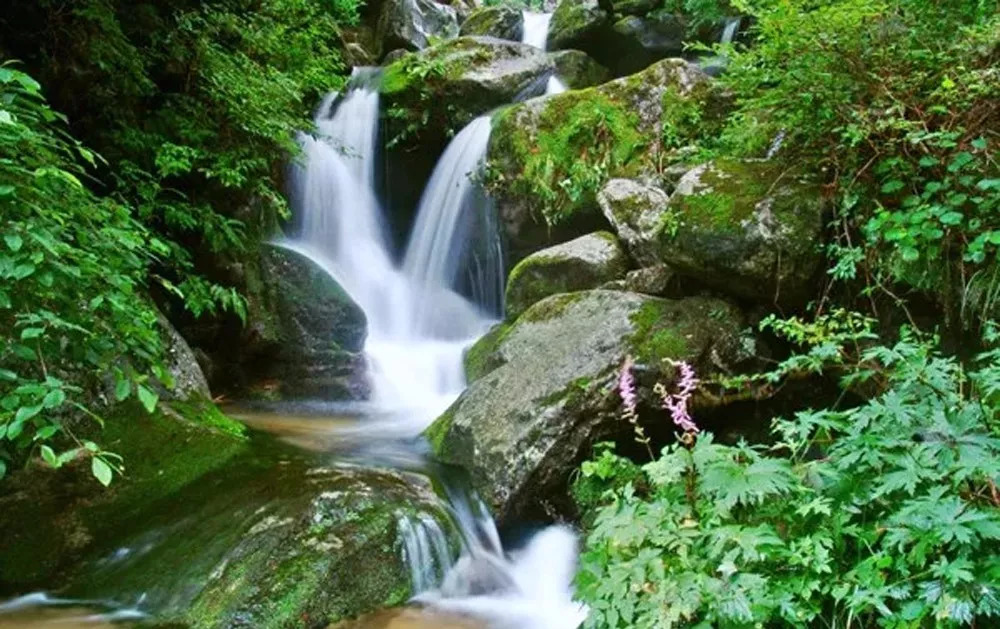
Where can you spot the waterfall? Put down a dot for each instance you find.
(536, 29)
(729, 32)
(555, 86)
(418, 325)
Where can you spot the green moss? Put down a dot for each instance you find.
(654, 338)
(550, 308)
(202, 411)
(480, 359)
(437, 432)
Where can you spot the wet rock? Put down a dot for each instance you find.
(545, 388)
(578, 70)
(411, 24)
(309, 331)
(503, 22)
(586, 262)
(183, 367)
(587, 137)
(748, 228)
(637, 212)
(577, 24)
(641, 41)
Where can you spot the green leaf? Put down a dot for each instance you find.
(122, 388)
(891, 186)
(6, 191)
(979, 144)
(951, 218)
(148, 397)
(27, 412)
(8, 375)
(54, 398)
(3, 468)
(101, 470)
(49, 456)
(31, 333)
(13, 241)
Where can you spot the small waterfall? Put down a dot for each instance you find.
(555, 86)
(729, 32)
(425, 550)
(536, 29)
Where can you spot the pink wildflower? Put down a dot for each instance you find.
(677, 403)
(626, 388)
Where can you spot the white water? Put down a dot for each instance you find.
(555, 86)
(732, 27)
(418, 328)
(536, 29)
(418, 325)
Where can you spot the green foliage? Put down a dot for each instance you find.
(700, 13)
(896, 101)
(73, 317)
(884, 514)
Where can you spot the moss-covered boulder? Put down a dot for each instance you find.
(578, 70)
(51, 517)
(638, 212)
(307, 333)
(429, 96)
(582, 263)
(503, 22)
(548, 390)
(752, 229)
(411, 24)
(549, 157)
(578, 24)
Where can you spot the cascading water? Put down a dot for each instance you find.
(536, 33)
(422, 315)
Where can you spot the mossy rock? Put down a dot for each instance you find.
(51, 517)
(753, 229)
(583, 263)
(549, 157)
(578, 70)
(638, 213)
(503, 22)
(429, 96)
(545, 390)
(412, 24)
(578, 24)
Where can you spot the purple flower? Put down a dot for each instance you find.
(677, 403)
(626, 388)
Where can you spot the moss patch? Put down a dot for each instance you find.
(655, 338)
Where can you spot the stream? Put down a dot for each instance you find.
(424, 306)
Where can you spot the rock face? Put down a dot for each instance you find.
(189, 381)
(743, 227)
(410, 24)
(503, 22)
(578, 70)
(310, 332)
(577, 24)
(586, 262)
(638, 214)
(545, 387)
(549, 157)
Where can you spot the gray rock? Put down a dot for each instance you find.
(749, 228)
(545, 391)
(189, 380)
(411, 24)
(652, 280)
(641, 41)
(583, 263)
(637, 212)
(577, 24)
(577, 70)
(503, 22)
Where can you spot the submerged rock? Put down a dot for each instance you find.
(503, 22)
(748, 228)
(411, 24)
(586, 262)
(549, 157)
(577, 70)
(545, 388)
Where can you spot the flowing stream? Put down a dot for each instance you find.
(536, 33)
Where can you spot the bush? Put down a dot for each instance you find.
(885, 514)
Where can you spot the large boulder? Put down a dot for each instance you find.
(503, 22)
(546, 387)
(578, 24)
(307, 334)
(411, 24)
(577, 70)
(748, 228)
(586, 262)
(548, 157)
(640, 41)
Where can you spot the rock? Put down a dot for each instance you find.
(545, 388)
(586, 262)
(652, 280)
(577, 24)
(637, 212)
(503, 22)
(356, 54)
(549, 157)
(52, 518)
(394, 55)
(183, 367)
(749, 228)
(410, 24)
(577, 70)
(641, 41)
(310, 333)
